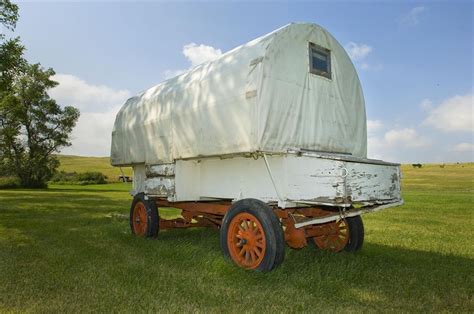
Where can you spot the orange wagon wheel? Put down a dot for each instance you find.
(139, 219)
(336, 239)
(346, 234)
(251, 236)
(246, 241)
(144, 219)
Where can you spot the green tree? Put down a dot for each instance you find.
(8, 14)
(32, 125)
(11, 50)
(11, 62)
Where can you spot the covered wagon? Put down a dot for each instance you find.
(267, 143)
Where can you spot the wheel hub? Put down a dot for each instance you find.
(242, 242)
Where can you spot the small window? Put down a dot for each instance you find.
(319, 60)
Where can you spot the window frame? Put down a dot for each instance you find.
(313, 47)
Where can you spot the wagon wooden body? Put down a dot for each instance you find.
(267, 144)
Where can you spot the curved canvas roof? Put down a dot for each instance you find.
(260, 96)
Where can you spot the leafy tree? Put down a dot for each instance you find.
(32, 125)
(8, 14)
(11, 64)
(11, 50)
(11, 61)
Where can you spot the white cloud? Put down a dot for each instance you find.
(398, 144)
(406, 137)
(373, 125)
(413, 16)
(93, 134)
(198, 54)
(464, 147)
(357, 52)
(195, 54)
(375, 148)
(453, 114)
(422, 142)
(426, 104)
(76, 92)
(98, 105)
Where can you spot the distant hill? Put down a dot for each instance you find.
(83, 164)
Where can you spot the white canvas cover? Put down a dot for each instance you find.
(259, 96)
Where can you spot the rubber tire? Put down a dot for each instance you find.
(153, 225)
(275, 250)
(356, 234)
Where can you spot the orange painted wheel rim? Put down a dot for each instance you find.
(246, 241)
(139, 219)
(336, 239)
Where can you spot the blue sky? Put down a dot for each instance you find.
(414, 59)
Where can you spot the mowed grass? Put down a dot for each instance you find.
(69, 249)
(81, 164)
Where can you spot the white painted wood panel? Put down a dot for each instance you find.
(288, 179)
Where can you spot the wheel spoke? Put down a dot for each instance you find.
(252, 255)
(242, 252)
(247, 256)
(257, 252)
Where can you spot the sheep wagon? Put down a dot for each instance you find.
(267, 143)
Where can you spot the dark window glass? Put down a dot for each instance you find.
(320, 60)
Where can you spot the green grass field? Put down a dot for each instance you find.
(69, 249)
(71, 163)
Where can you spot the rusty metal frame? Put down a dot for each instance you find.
(298, 238)
(182, 223)
(195, 214)
(213, 208)
(352, 212)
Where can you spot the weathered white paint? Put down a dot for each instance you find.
(163, 170)
(289, 179)
(160, 186)
(139, 177)
(366, 182)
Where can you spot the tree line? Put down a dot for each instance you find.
(33, 127)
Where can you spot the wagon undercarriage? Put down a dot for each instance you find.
(299, 223)
(328, 228)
